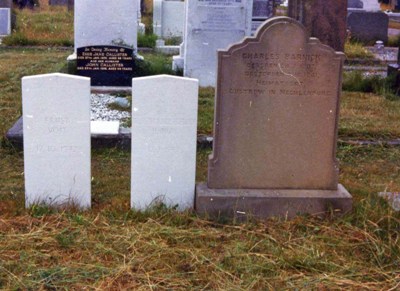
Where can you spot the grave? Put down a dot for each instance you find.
(275, 127)
(355, 4)
(368, 26)
(106, 65)
(212, 25)
(168, 18)
(5, 21)
(323, 19)
(164, 124)
(262, 10)
(5, 3)
(56, 139)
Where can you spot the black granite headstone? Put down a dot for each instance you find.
(368, 26)
(263, 9)
(355, 4)
(106, 65)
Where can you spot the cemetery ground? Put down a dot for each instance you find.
(113, 247)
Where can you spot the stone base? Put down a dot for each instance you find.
(264, 203)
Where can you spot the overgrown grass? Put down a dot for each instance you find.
(356, 50)
(43, 26)
(111, 247)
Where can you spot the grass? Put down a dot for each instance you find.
(112, 247)
(356, 50)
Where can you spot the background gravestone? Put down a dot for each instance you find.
(368, 26)
(5, 3)
(56, 129)
(164, 124)
(105, 22)
(5, 21)
(323, 19)
(355, 4)
(212, 25)
(58, 2)
(262, 10)
(275, 127)
(168, 18)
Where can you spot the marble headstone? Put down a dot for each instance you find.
(212, 25)
(56, 128)
(323, 19)
(168, 18)
(164, 124)
(105, 22)
(275, 127)
(5, 21)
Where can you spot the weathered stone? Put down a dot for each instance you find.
(323, 19)
(212, 25)
(164, 124)
(275, 126)
(368, 26)
(56, 139)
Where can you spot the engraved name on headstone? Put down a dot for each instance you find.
(56, 128)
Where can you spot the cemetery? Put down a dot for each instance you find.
(199, 144)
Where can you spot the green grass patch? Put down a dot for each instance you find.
(356, 50)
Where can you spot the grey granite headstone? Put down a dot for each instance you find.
(56, 128)
(355, 4)
(368, 26)
(164, 124)
(275, 127)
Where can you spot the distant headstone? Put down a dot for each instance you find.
(355, 4)
(58, 2)
(275, 128)
(97, 22)
(106, 65)
(371, 5)
(56, 128)
(368, 26)
(262, 10)
(168, 18)
(5, 3)
(5, 21)
(212, 25)
(323, 19)
(164, 124)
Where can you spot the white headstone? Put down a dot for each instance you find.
(5, 21)
(168, 18)
(164, 124)
(56, 128)
(371, 5)
(105, 22)
(213, 25)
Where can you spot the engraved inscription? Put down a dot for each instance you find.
(104, 59)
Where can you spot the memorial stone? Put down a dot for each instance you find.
(355, 4)
(262, 10)
(5, 21)
(212, 25)
(5, 3)
(368, 26)
(168, 18)
(98, 23)
(164, 124)
(58, 2)
(56, 129)
(275, 127)
(106, 65)
(323, 19)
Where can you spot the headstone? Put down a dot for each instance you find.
(164, 124)
(323, 19)
(5, 3)
(106, 65)
(355, 4)
(168, 18)
(368, 26)
(5, 21)
(58, 2)
(262, 10)
(97, 22)
(275, 127)
(212, 25)
(371, 5)
(56, 128)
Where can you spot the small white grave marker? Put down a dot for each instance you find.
(56, 120)
(164, 125)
